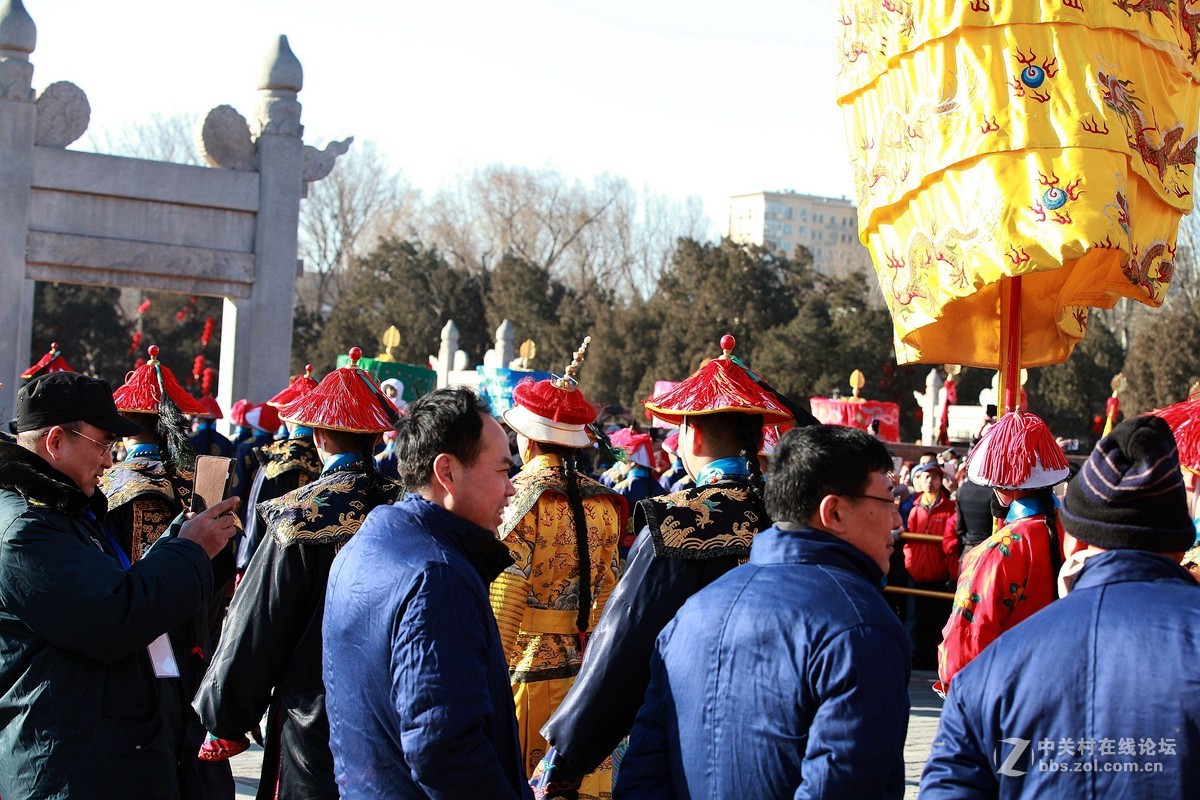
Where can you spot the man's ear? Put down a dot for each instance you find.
(829, 513)
(443, 472)
(54, 440)
(697, 440)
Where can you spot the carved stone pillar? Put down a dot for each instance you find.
(18, 122)
(256, 332)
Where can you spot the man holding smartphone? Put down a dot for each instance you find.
(79, 713)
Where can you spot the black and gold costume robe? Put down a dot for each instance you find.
(269, 659)
(284, 466)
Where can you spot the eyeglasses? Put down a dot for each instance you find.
(111, 447)
(889, 500)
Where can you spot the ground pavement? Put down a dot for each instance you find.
(922, 725)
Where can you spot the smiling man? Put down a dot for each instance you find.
(80, 624)
(788, 676)
(416, 680)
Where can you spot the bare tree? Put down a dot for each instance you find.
(587, 236)
(159, 138)
(345, 216)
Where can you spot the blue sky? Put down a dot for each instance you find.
(701, 98)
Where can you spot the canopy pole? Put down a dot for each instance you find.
(1010, 342)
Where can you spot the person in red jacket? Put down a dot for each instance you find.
(926, 562)
(1012, 574)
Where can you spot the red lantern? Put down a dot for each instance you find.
(207, 334)
(144, 307)
(137, 341)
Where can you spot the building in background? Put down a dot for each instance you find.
(781, 221)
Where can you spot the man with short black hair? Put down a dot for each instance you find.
(82, 629)
(416, 680)
(788, 676)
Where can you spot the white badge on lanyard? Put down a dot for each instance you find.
(163, 657)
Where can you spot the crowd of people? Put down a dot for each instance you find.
(426, 600)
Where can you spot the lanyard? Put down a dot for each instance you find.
(112, 542)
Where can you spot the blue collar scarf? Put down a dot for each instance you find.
(721, 469)
(1030, 506)
(340, 461)
(145, 450)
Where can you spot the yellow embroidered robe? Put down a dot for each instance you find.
(536, 600)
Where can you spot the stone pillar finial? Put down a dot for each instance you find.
(505, 349)
(282, 78)
(18, 34)
(282, 71)
(18, 37)
(446, 353)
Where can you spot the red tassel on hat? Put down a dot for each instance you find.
(347, 399)
(1017, 443)
(141, 393)
(299, 386)
(214, 410)
(1184, 421)
(547, 400)
(237, 412)
(718, 386)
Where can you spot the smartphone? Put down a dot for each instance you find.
(212, 482)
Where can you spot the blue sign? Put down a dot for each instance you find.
(496, 384)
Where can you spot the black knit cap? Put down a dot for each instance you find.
(1129, 494)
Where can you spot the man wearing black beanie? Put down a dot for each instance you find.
(1093, 695)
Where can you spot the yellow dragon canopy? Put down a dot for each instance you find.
(1050, 140)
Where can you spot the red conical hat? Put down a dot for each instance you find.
(1018, 452)
(300, 386)
(237, 412)
(639, 447)
(213, 409)
(51, 362)
(1184, 420)
(143, 389)
(347, 399)
(721, 385)
(263, 417)
(553, 410)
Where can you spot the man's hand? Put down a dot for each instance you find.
(212, 528)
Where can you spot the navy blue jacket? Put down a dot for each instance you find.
(786, 677)
(1096, 695)
(416, 680)
(79, 706)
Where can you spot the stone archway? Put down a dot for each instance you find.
(229, 230)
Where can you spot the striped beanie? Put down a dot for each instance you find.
(1129, 494)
